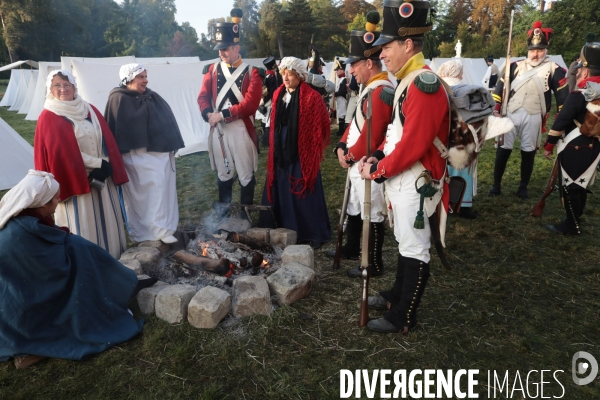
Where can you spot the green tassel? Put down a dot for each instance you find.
(262, 72)
(419, 220)
(205, 69)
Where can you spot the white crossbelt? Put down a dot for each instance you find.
(230, 83)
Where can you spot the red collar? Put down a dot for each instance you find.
(595, 79)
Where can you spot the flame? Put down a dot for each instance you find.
(203, 247)
(231, 269)
(265, 263)
(204, 252)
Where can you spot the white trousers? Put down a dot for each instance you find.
(528, 127)
(356, 202)
(150, 196)
(239, 149)
(403, 196)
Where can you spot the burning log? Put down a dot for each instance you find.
(255, 244)
(198, 263)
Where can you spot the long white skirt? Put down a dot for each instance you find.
(97, 217)
(150, 196)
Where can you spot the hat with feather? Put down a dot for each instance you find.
(228, 33)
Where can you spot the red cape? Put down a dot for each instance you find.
(55, 150)
(313, 138)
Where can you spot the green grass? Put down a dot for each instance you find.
(518, 298)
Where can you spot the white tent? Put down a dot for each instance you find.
(16, 156)
(12, 88)
(65, 62)
(166, 60)
(30, 92)
(178, 84)
(37, 103)
(473, 68)
(21, 94)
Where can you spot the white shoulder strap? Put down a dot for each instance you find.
(359, 116)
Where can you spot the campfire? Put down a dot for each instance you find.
(222, 256)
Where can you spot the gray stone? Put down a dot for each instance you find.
(208, 307)
(250, 296)
(259, 234)
(238, 225)
(291, 282)
(157, 244)
(146, 297)
(149, 257)
(134, 265)
(300, 253)
(282, 237)
(172, 302)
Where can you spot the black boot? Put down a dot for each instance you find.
(225, 190)
(351, 250)
(375, 253)
(265, 135)
(502, 156)
(403, 315)
(342, 126)
(527, 160)
(394, 295)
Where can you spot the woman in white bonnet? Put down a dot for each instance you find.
(298, 137)
(63, 296)
(73, 142)
(452, 73)
(148, 137)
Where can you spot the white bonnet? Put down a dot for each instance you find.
(129, 71)
(294, 64)
(35, 190)
(66, 73)
(450, 69)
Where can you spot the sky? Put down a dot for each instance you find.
(198, 12)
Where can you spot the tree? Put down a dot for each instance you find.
(330, 36)
(352, 8)
(297, 28)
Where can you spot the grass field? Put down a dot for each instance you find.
(518, 299)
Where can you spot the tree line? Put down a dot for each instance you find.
(47, 29)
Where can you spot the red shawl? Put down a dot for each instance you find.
(313, 138)
(55, 150)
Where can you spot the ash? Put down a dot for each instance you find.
(215, 246)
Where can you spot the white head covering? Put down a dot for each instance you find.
(294, 64)
(129, 71)
(66, 73)
(35, 190)
(449, 72)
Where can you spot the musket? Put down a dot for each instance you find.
(222, 149)
(340, 229)
(364, 301)
(506, 88)
(538, 209)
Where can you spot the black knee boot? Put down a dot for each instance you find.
(394, 295)
(527, 160)
(225, 190)
(376, 237)
(351, 250)
(403, 315)
(342, 126)
(502, 156)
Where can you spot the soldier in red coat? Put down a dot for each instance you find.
(420, 116)
(366, 67)
(228, 100)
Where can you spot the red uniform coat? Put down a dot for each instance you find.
(55, 150)
(251, 89)
(313, 138)
(382, 117)
(425, 117)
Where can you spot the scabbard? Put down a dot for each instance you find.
(434, 225)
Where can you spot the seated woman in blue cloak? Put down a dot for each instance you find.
(61, 295)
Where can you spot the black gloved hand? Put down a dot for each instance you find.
(103, 172)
